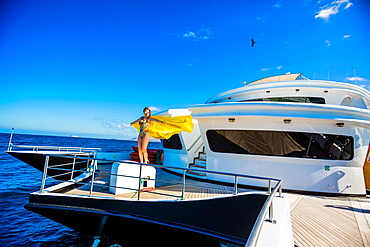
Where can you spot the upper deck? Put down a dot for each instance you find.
(299, 91)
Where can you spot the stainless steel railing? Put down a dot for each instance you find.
(265, 214)
(267, 208)
(91, 168)
(68, 168)
(52, 148)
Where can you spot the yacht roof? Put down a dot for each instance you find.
(275, 83)
(286, 77)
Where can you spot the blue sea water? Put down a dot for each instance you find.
(19, 227)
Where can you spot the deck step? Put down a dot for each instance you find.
(197, 166)
(200, 163)
(203, 156)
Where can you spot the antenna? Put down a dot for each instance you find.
(354, 74)
(328, 75)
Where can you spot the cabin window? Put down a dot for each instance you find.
(281, 143)
(173, 143)
(314, 100)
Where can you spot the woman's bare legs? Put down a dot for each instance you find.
(139, 142)
(142, 143)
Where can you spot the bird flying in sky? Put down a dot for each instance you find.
(253, 42)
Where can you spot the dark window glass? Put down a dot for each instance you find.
(173, 143)
(314, 100)
(281, 143)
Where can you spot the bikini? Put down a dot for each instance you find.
(144, 124)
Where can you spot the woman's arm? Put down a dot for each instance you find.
(137, 120)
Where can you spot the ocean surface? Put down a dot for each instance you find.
(19, 227)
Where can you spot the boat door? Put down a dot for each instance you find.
(366, 169)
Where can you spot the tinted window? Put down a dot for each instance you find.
(315, 100)
(281, 143)
(173, 143)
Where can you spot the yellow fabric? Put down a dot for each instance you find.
(168, 127)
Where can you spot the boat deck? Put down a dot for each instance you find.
(316, 220)
(330, 221)
(168, 187)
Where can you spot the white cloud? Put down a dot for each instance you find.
(346, 36)
(154, 109)
(332, 9)
(278, 5)
(272, 68)
(348, 5)
(328, 42)
(203, 33)
(355, 79)
(261, 19)
(189, 34)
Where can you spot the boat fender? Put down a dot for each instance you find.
(148, 189)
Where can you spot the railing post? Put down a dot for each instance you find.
(92, 179)
(138, 190)
(281, 190)
(271, 213)
(269, 189)
(10, 140)
(235, 185)
(44, 174)
(73, 166)
(183, 185)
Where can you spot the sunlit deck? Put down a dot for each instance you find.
(330, 221)
(168, 187)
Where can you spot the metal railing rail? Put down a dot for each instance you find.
(65, 170)
(256, 230)
(253, 237)
(195, 142)
(267, 208)
(52, 148)
(184, 171)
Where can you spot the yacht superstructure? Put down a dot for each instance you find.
(312, 134)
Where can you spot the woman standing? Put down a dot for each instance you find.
(144, 135)
(159, 127)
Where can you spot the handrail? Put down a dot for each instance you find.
(192, 145)
(267, 207)
(38, 148)
(92, 168)
(170, 167)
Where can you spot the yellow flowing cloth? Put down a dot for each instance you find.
(168, 127)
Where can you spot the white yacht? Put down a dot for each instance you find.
(312, 134)
(279, 133)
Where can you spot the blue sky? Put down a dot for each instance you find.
(87, 68)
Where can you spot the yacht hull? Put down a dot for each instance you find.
(229, 219)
